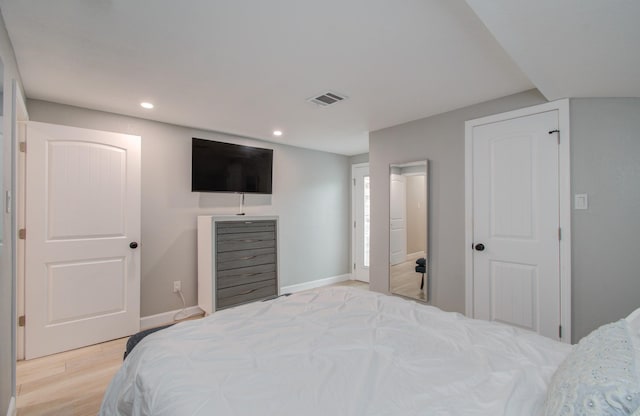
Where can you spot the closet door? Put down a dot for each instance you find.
(516, 242)
(82, 271)
(398, 222)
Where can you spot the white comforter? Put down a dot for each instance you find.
(337, 351)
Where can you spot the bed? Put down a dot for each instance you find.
(347, 351)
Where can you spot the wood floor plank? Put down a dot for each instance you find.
(95, 361)
(71, 383)
(27, 371)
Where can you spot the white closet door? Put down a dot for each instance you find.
(398, 220)
(516, 260)
(82, 282)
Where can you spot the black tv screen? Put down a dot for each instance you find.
(226, 167)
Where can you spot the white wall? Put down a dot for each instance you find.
(310, 195)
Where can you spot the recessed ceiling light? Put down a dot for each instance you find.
(277, 133)
(146, 105)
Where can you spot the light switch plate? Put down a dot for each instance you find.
(580, 201)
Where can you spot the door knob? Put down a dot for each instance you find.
(479, 247)
(133, 244)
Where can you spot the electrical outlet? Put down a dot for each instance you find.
(177, 286)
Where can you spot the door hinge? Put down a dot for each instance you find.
(354, 181)
(354, 224)
(555, 131)
(21, 320)
(23, 147)
(559, 233)
(22, 234)
(354, 266)
(560, 331)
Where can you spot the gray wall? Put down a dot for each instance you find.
(7, 282)
(311, 194)
(440, 139)
(605, 164)
(361, 158)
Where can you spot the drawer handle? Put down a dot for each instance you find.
(250, 274)
(247, 258)
(253, 240)
(247, 292)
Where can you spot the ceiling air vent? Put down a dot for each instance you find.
(327, 98)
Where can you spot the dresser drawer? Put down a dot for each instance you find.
(242, 227)
(225, 246)
(245, 241)
(245, 293)
(246, 261)
(244, 254)
(244, 275)
(231, 281)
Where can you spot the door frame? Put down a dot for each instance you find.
(564, 178)
(353, 217)
(21, 116)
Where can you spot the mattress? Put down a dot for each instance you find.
(336, 351)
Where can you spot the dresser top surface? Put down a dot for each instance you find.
(235, 218)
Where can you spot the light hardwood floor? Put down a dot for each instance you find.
(72, 383)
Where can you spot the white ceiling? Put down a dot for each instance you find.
(247, 67)
(570, 48)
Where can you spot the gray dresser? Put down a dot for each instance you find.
(237, 260)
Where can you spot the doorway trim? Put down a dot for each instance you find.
(564, 178)
(21, 116)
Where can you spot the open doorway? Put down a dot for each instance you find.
(360, 208)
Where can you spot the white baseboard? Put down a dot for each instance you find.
(12, 407)
(165, 318)
(315, 283)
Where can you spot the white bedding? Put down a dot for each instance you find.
(337, 351)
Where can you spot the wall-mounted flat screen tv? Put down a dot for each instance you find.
(226, 167)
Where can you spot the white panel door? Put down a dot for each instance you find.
(516, 261)
(82, 272)
(398, 220)
(361, 216)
